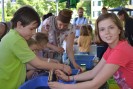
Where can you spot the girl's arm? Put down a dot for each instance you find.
(106, 72)
(89, 74)
(69, 49)
(55, 48)
(101, 76)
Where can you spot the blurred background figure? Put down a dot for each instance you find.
(84, 40)
(104, 10)
(45, 25)
(4, 28)
(80, 20)
(44, 17)
(128, 24)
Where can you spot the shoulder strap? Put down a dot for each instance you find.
(84, 19)
(76, 19)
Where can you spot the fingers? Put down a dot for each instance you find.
(58, 72)
(51, 85)
(55, 85)
(61, 75)
(60, 50)
(67, 69)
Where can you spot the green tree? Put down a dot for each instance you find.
(114, 3)
(42, 6)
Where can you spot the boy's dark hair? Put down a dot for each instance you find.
(25, 15)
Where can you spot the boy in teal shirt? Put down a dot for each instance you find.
(15, 52)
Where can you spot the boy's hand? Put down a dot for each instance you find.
(62, 75)
(67, 69)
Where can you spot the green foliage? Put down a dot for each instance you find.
(42, 7)
(114, 3)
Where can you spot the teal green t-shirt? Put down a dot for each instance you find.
(14, 53)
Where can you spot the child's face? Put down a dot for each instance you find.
(108, 31)
(27, 31)
(41, 46)
(34, 48)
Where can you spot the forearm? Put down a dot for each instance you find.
(51, 46)
(40, 64)
(83, 76)
(29, 67)
(83, 85)
(70, 54)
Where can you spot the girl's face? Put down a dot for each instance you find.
(62, 26)
(109, 32)
(27, 31)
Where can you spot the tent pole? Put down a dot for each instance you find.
(57, 7)
(3, 15)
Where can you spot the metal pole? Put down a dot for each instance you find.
(57, 7)
(131, 3)
(3, 15)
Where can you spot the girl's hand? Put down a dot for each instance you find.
(56, 85)
(59, 49)
(62, 75)
(67, 69)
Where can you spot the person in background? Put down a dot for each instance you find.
(90, 31)
(4, 28)
(44, 17)
(80, 20)
(60, 30)
(128, 25)
(104, 10)
(44, 29)
(36, 43)
(84, 40)
(15, 52)
(117, 61)
(45, 26)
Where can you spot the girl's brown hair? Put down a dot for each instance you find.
(84, 31)
(116, 21)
